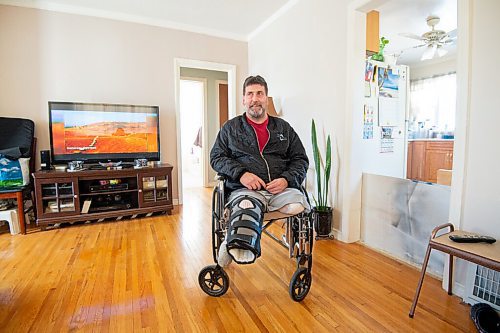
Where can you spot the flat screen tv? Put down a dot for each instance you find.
(93, 132)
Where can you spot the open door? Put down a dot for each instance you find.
(223, 102)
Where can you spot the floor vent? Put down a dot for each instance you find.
(483, 286)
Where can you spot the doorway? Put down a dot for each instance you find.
(187, 68)
(356, 20)
(192, 104)
(431, 89)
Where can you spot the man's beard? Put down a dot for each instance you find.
(256, 111)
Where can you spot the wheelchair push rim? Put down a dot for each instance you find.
(213, 280)
(217, 232)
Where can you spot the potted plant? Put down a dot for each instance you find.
(380, 55)
(322, 212)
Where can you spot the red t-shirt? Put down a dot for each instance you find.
(262, 132)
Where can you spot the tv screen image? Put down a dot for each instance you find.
(103, 132)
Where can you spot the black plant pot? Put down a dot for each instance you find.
(322, 220)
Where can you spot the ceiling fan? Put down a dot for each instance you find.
(434, 40)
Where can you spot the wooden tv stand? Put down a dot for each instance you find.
(89, 195)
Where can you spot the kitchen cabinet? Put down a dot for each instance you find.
(426, 157)
(372, 32)
(438, 155)
(416, 160)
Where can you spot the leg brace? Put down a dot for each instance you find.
(245, 228)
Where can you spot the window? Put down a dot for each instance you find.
(433, 103)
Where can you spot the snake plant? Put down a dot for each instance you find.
(322, 171)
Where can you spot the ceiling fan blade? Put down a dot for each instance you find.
(448, 41)
(429, 53)
(452, 34)
(417, 46)
(412, 36)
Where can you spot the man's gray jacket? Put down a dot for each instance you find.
(236, 151)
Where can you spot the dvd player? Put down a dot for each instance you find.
(108, 187)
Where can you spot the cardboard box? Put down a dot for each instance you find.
(444, 177)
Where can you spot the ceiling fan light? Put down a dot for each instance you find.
(441, 52)
(429, 53)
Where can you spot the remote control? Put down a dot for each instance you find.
(468, 238)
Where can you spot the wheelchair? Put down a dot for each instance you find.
(298, 239)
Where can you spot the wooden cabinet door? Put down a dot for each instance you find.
(439, 155)
(155, 187)
(449, 162)
(57, 197)
(434, 160)
(416, 160)
(408, 161)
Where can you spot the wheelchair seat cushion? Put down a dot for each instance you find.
(274, 202)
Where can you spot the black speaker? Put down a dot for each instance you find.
(45, 159)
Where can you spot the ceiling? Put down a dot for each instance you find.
(241, 20)
(222, 18)
(409, 16)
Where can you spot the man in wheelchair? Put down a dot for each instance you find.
(264, 164)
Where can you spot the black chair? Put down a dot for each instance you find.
(17, 140)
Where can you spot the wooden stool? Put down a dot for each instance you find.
(487, 255)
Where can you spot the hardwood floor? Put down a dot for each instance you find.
(141, 275)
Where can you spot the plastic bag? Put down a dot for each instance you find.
(14, 172)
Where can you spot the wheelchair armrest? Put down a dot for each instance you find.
(221, 185)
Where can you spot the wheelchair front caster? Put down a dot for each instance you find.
(213, 280)
(300, 284)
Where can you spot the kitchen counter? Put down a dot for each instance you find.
(430, 139)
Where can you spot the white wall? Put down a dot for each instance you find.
(302, 57)
(481, 209)
(479, 193)
(63, 57)
(303, 54)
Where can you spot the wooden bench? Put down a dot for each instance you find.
(487, 255)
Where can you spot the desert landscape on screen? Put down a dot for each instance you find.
(105, 137)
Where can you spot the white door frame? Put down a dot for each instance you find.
(351, 195)
(217, 83)
(231, 78)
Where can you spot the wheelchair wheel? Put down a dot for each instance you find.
(300, 284)
(213, 280)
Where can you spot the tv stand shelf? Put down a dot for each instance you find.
(100, 194)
